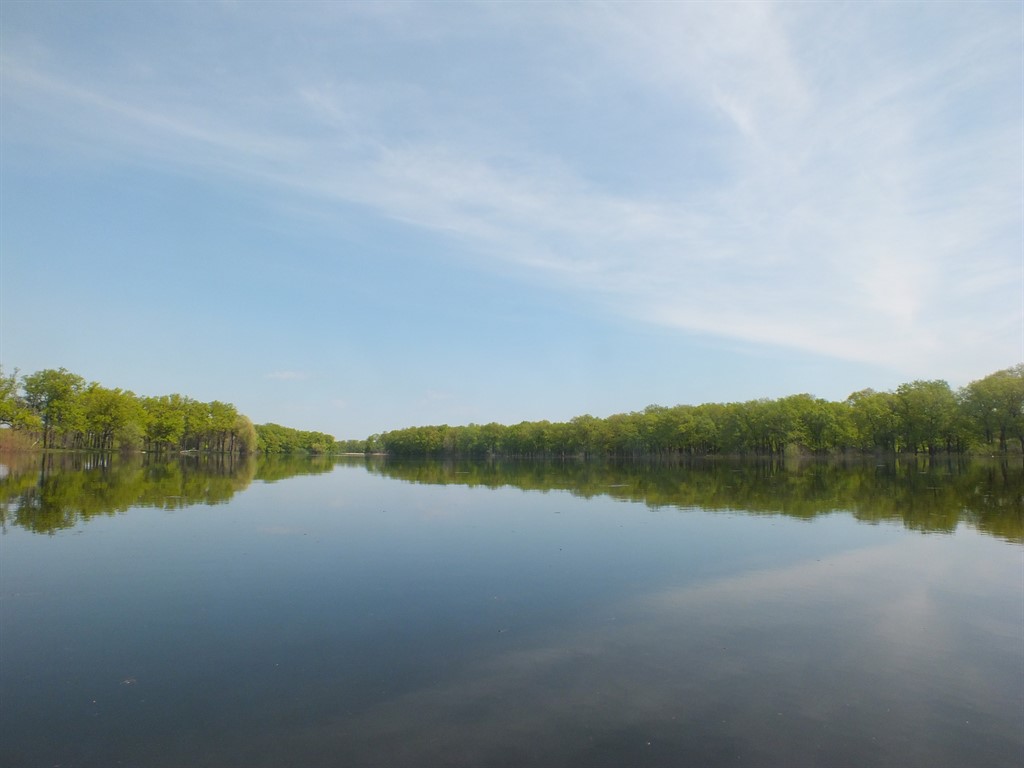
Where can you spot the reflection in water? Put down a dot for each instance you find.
(925, 495)
(46, 494)
(400, 617)
(812, 664)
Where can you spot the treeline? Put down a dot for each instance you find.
(58, 409)
(919, 417)
(354, 446)
(273, 438)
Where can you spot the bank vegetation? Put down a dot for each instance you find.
(919, 417)
(57, 409)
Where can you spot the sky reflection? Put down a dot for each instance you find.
(349, 619)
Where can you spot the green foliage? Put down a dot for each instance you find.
(54, 397)
(926, 416)
(14, 410)
(244, 438)
(919, 417)
(351, 446)
(873, 420)
(994, 407)
(273, 438)
(57, 409)
(111, 416)
(165, 422)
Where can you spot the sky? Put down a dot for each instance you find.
(356, 217)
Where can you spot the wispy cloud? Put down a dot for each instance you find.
(865, 201)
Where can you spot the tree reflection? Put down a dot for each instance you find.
(48, 493)
(928, 496)
(55, 492)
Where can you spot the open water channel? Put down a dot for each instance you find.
(373, 613)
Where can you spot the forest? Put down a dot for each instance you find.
(57, 409)
(921, 416)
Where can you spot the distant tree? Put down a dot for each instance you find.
(14, 411)
(197, 432)
(273, 438)
(165, 422)
(222, 422)
(703, 425)
(108, 414)
(350, 446)
(994, 406)
(243, 435)
(819, 425)
(926, 414)
(873, 420)
(57, 406)
(54, 395)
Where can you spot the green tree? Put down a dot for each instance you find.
(874, 420)
(14, 411)
(54, 395)
(926, 415)
(818, 425)
(586, 434)
(243, 435)
(701, 429)
(222, 422)
(165, 422)
(273, 438)
(994, 406)
(198, 429)
(108, 414)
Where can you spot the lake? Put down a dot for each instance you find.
(374, 613)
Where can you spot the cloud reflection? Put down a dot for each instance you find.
(814, 663)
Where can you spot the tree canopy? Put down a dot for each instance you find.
(919, 417)
(58, 409)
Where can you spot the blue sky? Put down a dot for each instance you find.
(358, 217)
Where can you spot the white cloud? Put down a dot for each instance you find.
(858, 210)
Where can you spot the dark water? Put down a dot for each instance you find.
(307, 614)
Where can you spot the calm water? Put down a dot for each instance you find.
(312, 614)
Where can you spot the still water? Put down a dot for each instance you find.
(381, 614)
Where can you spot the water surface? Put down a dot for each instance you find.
(203, 614)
